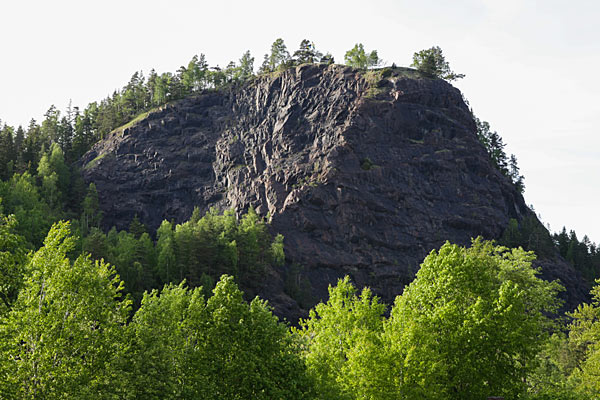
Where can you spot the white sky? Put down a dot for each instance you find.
(531, 66)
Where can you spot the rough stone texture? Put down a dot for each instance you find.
(363, 175)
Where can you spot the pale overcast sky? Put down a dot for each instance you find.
(531, 66)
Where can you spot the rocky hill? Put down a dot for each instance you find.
(363, 173)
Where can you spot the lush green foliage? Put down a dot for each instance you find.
(471, 323)
(184, 347)
(198, 251)
(12, 262)
(21, 198)
(342, 338)
(584, 340)
(67, 335)
(432, 62)
(59, 336)
(469, 326)
(529, 234)
(357, 57)
(584, 255)
(569, 366)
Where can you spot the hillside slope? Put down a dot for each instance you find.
(363, 174)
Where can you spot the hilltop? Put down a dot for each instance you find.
(363, 173)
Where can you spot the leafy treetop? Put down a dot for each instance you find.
(432, 62)
(357, 57)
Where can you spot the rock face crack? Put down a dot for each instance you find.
(358, 184)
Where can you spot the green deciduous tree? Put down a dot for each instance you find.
(584, 337)
(258, 358)
(134, 259)
(64, 328)
(184, 347)
(167, 269)
(154, 366)
(343, 344)
(471, 324)
(91, 215)
(55, 177)
(13, 249)
(432, 62)
(357, 57)
(21, 197)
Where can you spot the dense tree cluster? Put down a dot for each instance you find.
(494, 146)
(75, 130)
(569, 366)
(474, 323)
(279, 58)
(584, 254)
(530, 234)
(447, 335)
(198, 251)
(68, 334)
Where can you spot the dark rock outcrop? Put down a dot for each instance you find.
(363, 174)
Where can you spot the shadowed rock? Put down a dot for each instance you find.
(362, 174)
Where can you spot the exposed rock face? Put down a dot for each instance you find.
(363, 175)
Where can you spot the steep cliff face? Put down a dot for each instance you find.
(363, 174)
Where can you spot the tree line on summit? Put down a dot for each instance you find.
(76, 131)
(86, 313)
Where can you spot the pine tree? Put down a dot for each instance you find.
(279, 56)
(20, 165)
(246, 65)
(7, 152)
(136, 228)
(515, 175)
(306, 53)
(432, 62)
(356, 57)
(265, 67)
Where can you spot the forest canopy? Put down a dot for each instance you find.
(474, 323)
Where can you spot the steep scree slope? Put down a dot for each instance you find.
(363, 174)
